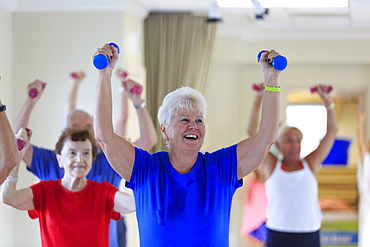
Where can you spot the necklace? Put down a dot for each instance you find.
(77, 195)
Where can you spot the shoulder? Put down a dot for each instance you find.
(102, 185)
(231, 150)
(42, 150)
(44, 186)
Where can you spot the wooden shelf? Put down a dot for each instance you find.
(338, 182)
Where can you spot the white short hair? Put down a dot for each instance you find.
(182, 98)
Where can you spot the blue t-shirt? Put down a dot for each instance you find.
(191, 209)
(45, 166)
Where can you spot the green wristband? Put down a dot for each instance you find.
(272, 89)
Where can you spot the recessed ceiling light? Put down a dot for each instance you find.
(285, 3)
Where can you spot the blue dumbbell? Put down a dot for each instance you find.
(279, 62)
(101, 61)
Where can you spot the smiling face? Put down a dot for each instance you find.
(185, 132)
(76, 158)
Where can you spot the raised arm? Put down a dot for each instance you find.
(20, 199)
(77, 78)
(252, 151)
(9, 152)
(316, 158)
(252, 126)
(121, 124)
(124, 203)
(24, 115)
(119, 152)
(148, 136)
(361, 117)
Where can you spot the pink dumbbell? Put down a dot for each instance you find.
(73, 75)
(328, 90)
(136, 89)
(33, 93)
(20, 144)
(124, 74)
(256, 87)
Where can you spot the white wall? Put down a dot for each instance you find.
(6, 56)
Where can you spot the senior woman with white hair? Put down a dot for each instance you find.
(183, 197)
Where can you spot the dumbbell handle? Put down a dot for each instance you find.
(279, 62)
(328, 90)
(101, 61)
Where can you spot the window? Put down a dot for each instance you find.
(311, 120)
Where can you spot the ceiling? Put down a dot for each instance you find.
(280, 24)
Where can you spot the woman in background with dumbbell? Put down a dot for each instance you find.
(294, 215)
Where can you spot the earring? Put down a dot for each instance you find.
(165, 142)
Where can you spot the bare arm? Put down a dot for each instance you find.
(252, 151)
(77, 78)
(9, 152)
(252, 126)
(360, 134)
(119, 152)
(148, 136)
(124, 203)
(315, 158)
(24, 115)
(121, 125)
(19, 199)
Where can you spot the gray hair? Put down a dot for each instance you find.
(182, 98)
